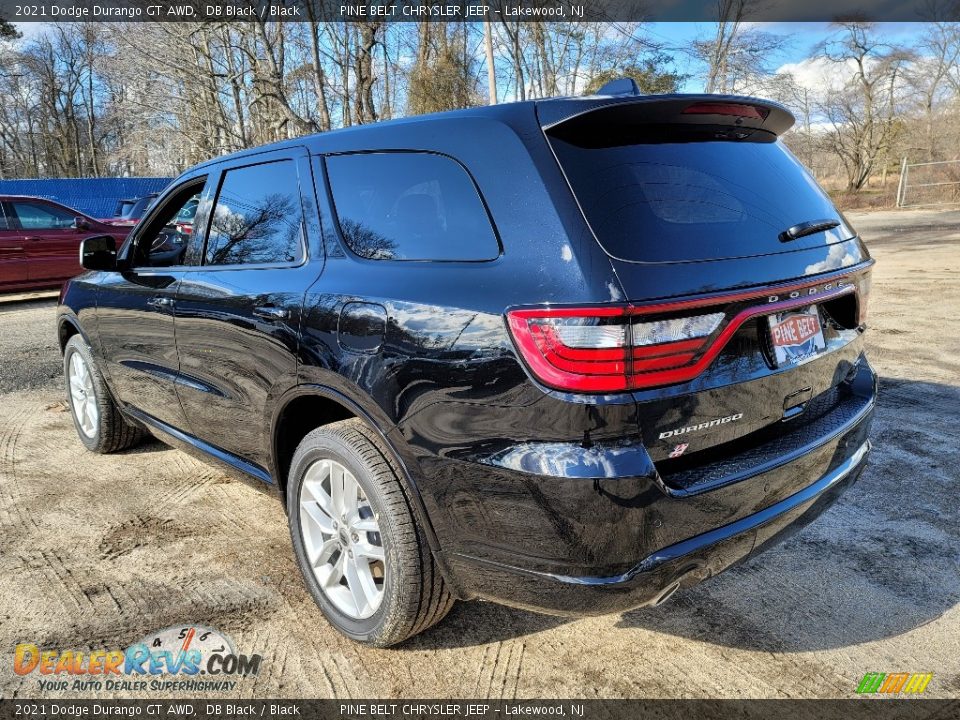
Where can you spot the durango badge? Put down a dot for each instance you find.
(702, 426)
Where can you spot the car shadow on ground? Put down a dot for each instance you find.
(149, 445)
(881, 562)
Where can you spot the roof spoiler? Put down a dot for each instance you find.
(732, 111)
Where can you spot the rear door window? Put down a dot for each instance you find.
(410, 206)
(258, 217)
(37, 216)
(686, 201)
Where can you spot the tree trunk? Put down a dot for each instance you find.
(491, 66)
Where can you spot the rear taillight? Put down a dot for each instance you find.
(616, 348)
(607, 349)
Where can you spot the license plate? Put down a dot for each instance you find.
(796, 336)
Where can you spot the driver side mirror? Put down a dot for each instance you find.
(80, 223)
(98, 253)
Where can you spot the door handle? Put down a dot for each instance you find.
(160, 302)
(271, 312)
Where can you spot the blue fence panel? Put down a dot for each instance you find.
(96, 197)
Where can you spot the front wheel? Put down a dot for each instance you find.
(100, 425)
(363, 555)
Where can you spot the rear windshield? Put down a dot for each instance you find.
(703, 200)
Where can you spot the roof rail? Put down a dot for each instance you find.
(620, 86)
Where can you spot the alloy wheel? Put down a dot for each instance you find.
(83, 396)
(342, 539)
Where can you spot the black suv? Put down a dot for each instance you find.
(568, 355)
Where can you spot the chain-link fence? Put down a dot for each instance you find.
(929, 183)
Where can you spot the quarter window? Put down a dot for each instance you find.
(409, 206)
(257, 218)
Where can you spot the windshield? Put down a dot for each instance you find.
(703, 200)
(189, 211)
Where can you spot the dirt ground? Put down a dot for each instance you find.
(95, 552)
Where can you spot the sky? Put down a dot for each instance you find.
(805, 38)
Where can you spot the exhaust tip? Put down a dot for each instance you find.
(666, 595)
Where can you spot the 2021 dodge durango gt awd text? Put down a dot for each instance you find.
(568, 355)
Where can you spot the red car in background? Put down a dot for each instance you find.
(129, 212)
(40, 242)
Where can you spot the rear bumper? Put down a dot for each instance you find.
(676, 566)
(578, 545)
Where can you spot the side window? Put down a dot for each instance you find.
(165, 238)
(257, 218)
(4, 223)
(409, 206)
(36, 216)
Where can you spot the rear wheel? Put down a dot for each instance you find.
(100, 425)
(363, 556)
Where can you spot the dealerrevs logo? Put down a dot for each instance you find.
(702, 426)
(171, 659)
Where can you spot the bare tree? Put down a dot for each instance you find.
(863, 112)
(366, 41)
(934, 76)
(737, 58)
(716, 53)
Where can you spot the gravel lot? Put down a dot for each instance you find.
(98, 551)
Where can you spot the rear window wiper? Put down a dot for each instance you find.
(807, 228)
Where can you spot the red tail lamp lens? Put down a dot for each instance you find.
(605, 349)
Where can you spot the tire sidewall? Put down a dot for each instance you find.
(319, 445)
(76, 345)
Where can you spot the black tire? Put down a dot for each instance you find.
(112, 431)
(415, 596)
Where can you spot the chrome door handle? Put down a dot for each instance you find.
(160, 302)
(271, 312)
